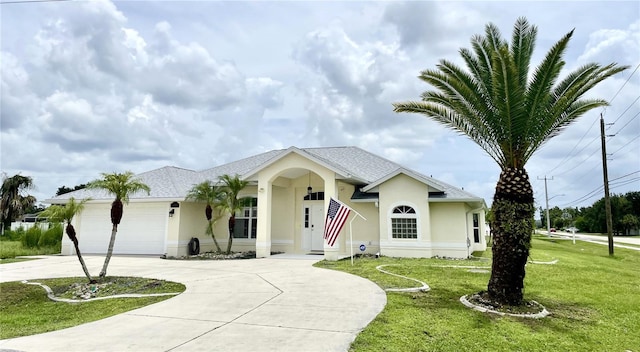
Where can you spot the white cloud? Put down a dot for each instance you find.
(101, 86)
(621, 43)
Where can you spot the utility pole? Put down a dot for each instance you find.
(607, 200)
(546, 196)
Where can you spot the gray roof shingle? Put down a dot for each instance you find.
(351, 162)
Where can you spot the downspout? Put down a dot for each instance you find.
(466, 220)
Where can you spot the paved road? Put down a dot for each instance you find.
(618, 241)
(276, 304)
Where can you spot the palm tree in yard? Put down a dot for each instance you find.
(509, 112)
(210, 194)
(12, 201)
(65, 213)
(120, 185)
(231, 187)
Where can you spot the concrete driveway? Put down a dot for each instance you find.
(277, 304)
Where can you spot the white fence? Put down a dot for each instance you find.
(27, 225)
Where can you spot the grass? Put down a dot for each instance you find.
(14, 260)
(26, 309)
(12, 249)
(593, 299)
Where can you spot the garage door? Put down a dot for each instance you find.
(141, 231)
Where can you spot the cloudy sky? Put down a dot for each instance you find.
(98, 86)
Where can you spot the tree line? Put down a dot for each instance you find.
(625, 211)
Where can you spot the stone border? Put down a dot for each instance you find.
(423, 288)
(540, 315)
(553, 262)
(68, 300)
(461, 266)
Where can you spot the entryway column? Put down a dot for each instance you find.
(263, 235)
(330, 253)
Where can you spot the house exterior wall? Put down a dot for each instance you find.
(365, 232)
(449, 229)
(189, 221)
(404, 190)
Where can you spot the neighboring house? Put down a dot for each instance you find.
(408, 214)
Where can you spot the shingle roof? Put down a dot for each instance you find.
(166, 182)
(348, 162)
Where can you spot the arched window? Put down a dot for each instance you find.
(404, 222)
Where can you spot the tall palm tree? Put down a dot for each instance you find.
(232, 185)
(120, 185)
(509, 112)
(210, 194)
(65, 213)
(12, 200)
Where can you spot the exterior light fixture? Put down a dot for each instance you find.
(309, 189)
(171, 212)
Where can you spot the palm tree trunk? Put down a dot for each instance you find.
(210, 230)
(114, 230)
(71, 233)
(232, 225)
(512, 226)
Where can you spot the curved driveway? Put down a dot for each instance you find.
(281, 303)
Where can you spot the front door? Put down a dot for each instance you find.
(313, 227)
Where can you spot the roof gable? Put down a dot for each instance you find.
(414, 175)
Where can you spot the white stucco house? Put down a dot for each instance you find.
(407, 214)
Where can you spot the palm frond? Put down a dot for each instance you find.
(496, 102)
(120, 185)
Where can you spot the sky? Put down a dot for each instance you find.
(98, 86)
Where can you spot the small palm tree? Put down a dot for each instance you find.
(232, 185)
(210, 194)
(120, 185)
(66, 213)
(12, 200)
(509, 112)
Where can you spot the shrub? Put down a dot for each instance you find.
(13, 235)
(51, 237)
(31, 237)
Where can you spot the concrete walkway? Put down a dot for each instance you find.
(277, 304)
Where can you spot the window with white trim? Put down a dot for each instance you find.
(247, 219)
(476, 227)
(404, 222)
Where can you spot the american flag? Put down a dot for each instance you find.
(336, 217)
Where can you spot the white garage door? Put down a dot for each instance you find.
(141, 231)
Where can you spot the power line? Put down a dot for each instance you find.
(575, 146)
(569, 155)
(627, 175)
(593, 193)
(625, 110)
(624, 84)
(581, 162)
(626, 144)
(628, 122)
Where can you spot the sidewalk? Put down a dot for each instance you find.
(275, 304)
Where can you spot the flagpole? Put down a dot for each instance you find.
(350, 225)
(363, 218)
(351, 239)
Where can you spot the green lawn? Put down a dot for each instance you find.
(12, 249)
(594, 301)
(26, 309)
